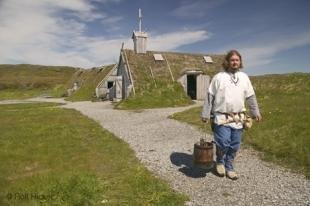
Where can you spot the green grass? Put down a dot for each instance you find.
(25, 93)
(7, 94)
(192, 116)
(283, 135)
(59, 157)
(163, 95)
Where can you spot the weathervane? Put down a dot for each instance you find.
(140, 19)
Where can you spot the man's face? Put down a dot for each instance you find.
(234, 62)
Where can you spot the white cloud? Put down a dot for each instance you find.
(263, 53)
(112, 23)
(112, 19)
(35, 32)
(108, 1)
(197, 9)
(260, 54)
(171, 41)
(73, 5)
(79, 8)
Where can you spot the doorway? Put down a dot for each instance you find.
(192, 86)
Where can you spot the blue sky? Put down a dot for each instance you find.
(273, 36)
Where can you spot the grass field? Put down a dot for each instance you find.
(284, 134)
(8, 94)
(55, 156)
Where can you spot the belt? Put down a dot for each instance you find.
(234, 116)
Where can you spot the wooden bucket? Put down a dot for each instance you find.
(203, 155)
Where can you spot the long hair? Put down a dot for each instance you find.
(228, 56)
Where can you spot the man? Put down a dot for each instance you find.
(224, 106)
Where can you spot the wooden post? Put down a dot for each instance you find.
(168, 65)
(153, 76)
(129, 71)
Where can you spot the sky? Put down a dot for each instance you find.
(273, 36)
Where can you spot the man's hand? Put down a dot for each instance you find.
(258, 118)
(205, 120)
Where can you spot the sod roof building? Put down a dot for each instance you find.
(139, 69)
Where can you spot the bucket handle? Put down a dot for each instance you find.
(205, 134)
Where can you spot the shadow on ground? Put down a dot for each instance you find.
(185, 162)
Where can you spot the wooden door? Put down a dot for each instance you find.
(203, 82)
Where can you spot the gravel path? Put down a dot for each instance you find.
(165, 147)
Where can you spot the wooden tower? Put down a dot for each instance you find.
(139, 37)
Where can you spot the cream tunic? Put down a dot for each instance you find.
(229, 91)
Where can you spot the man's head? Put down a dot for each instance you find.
(233, 61)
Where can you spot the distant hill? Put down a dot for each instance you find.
(25, 81)
(26, 76)
(284, 83)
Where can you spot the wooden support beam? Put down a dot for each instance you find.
(129, 71)
(168, 65)
(153, 76)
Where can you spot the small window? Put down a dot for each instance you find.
(208, 59)
(110, 84)
(158, 57)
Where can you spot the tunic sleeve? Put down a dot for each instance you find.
(213, 86)
(249, 91)
(209, 101)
